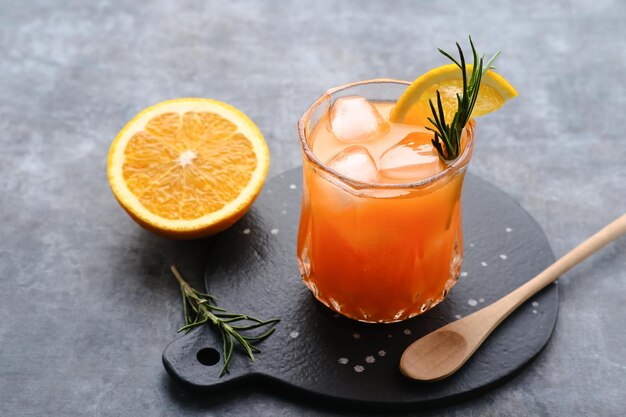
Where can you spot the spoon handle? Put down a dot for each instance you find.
(507, 304)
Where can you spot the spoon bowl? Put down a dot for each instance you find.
(445, 349)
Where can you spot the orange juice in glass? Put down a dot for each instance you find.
(380, 237)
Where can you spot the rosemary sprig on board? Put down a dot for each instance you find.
(199, 309)
(447, 138)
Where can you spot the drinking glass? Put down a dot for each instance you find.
(378, 252)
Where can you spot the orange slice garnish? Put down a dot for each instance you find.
(413, 108)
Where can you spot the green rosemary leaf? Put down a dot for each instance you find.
(190, 326)
(224, 349)
(442, 115)
(234, 320)
(226, 315)
(463, 67)
(489, 64)
(209, 296)
(185, 309)
(250, 327)
(244, 344)
(473, 49)
(436, 122)
(263, 336)
(228, 351)
(447, 55)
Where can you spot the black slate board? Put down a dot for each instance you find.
(252, 268)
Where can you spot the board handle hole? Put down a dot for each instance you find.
(208, 356)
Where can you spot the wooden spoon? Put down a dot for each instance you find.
(441, 353)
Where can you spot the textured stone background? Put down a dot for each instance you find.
(87, 303)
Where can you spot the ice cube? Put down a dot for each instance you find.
(355, 162)
(353, 119)
(412, 159)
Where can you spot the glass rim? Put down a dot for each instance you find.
(454, 167)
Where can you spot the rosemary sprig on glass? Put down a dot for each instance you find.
(447, 138)
(199, 309)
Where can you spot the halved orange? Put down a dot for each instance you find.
(189, 167)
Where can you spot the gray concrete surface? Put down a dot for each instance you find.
(87, 304)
